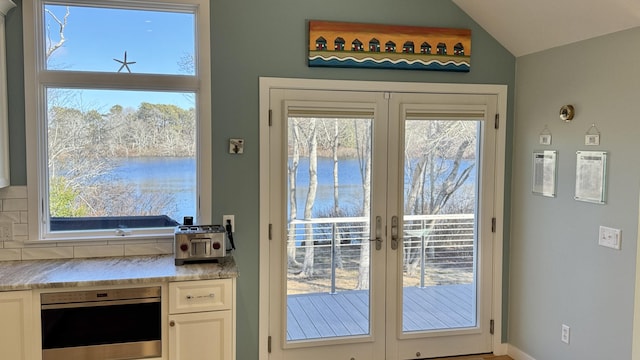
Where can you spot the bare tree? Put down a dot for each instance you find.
(83, 143)
(292, 172)
(434, 156)
(308, 264)
(363, 149)
(53, 45)
(330, 139)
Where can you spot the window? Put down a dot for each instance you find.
(118, 93)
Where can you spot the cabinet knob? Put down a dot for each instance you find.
(172, 323)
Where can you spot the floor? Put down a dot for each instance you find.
(477, 357)
(324, 315)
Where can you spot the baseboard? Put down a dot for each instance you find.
(518, 354)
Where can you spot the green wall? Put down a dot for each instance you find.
(558, 273)
(254, 38)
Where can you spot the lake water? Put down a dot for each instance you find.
(177, 175)
(349, 188)
(169, 174)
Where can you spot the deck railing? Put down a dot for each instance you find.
(445, 242)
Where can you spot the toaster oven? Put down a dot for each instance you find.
(199, 243)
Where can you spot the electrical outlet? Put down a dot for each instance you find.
(233, 221)
(566, 332)
(6, 231)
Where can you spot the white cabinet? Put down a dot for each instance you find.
(15, 332)
(202, 320)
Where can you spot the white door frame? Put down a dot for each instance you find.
(268, 83)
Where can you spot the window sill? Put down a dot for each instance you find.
(112, 239)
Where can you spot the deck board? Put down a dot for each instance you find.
(323, 315)
(351, 321)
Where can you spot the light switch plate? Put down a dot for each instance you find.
(609, 237)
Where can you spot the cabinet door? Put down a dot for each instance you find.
(201, 336)
(15, 312)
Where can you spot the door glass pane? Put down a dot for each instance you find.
(328, 201)
(440, 237)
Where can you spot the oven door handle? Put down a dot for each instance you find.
(100, 303)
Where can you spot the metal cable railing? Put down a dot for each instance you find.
(330, 245)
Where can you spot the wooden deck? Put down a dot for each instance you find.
(323, 315)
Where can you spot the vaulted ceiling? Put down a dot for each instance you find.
(527, 26)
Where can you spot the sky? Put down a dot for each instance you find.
(156, 41)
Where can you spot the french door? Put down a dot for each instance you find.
(380, 213)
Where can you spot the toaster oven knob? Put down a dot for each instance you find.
(184, 247)
(216, 245)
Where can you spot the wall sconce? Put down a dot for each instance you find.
(567, 112)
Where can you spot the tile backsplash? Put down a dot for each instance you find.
(13, 210)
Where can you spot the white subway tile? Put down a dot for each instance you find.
(53, 252)
(148, 249)
(20, 230)
(10, 254)
(98, 251)
(14, 205)
(13, 192)
(10, 216)
(20, 238)
(13, 244)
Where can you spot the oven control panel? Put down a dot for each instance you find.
(88, 296)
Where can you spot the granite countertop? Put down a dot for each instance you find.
(59, 273)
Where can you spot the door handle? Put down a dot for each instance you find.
(394, 233)
(378, 232)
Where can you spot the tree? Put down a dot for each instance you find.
(331, 134)
(363, 148)
(292, 171)
(53, 45)
(83, 143)
(439, 159)
(434, 155)
(307, 265)
(63, 204)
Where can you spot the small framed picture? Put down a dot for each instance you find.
(592, 139)
(591, 174)
(544, 173)
(545, 139)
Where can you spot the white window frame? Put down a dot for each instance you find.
(37, 78)
(5, 6)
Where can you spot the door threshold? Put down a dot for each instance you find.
(488, 356)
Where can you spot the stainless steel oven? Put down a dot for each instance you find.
(102, 324)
